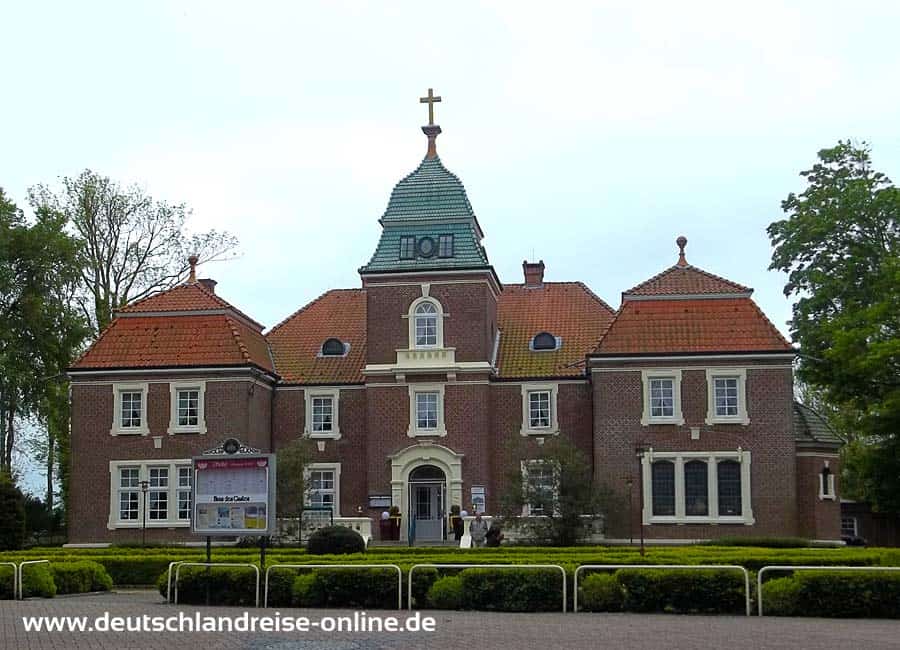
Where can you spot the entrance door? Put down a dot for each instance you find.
(426, 499)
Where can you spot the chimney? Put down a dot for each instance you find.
(209, 284)
(534, 273)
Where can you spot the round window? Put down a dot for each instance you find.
(426, 247)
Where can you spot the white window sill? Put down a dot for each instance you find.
(137, 431)
(675, 420)
(730, 419)
(323, 435)
(424, 433)
(182, 523)
(174, 431)
(827, 497)
(549, 431)
(702, 520)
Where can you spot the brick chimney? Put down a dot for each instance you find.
(534, 273)
(209, 284)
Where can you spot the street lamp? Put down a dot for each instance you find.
(639, 451)
(145, 485)
(629, 481)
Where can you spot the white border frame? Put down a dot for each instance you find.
(334, 467)
(712, 459)
(143, 465)
(726, 373)
(553, 429)
(647, 374)
(335, 394)
(413, 431)
(174, 387)
(439, 319)
(129, 387)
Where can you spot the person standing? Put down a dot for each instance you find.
(478, 530)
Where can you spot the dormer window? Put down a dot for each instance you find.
(334, 348)
(407, 248)
(426, 246)
(544, 341)
(445, 246)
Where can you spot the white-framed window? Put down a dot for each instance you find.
(167, 498)
(128, 493)
(662, 396)
(426, 410)
(187, 402)
(130, 409)
(540, 484)
(445, 246)
(696, 487)
(185, 478)
(426, 324)
(539, 409)
(323, 486)
(849, 527)
(322, 411)
(826, 484)
(726, 389)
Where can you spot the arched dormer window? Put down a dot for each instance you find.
(426, 324)
(544, 341)
(333, 348)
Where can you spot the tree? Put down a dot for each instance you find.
(556, 483)
(291, 486)
(12, 514)
(132, 244)
(39, 329)
(840, 246)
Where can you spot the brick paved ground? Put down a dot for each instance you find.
(454, 630)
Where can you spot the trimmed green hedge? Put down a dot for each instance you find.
(37, 580)
(335, 540)
(80, 577)
(601, 592)
(227, 585)
(688, 591)
(512, 590)
(834, 595)
(447, 593)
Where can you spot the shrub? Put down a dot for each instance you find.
(281, 587)
(37, 580)
(227, 585)
(422, 579)
(683, 591)
(601, 592)
(760, 542)
(307, 591)
(12, 515)
(370, 588)
(838, 595)
(781, 597)
(6, 582)
(446, 593)
(80, 577)
(512, 590)
(335, 540)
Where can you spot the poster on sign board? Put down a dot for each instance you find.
(234, 495)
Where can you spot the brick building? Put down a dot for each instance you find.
(413, 384)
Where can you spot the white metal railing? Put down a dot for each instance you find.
(732, 567)
(22, 566)
(810, 567)
(336, 566)
(485, 566)
(169, 579)
(15, 577)
(217, 564)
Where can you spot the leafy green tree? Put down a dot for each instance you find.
(291, 484)
(12, 514)
(131, 244)
(557, 485)
(840, 246)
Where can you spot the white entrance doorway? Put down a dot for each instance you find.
(427, 503)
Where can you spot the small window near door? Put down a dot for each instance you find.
(849, 527)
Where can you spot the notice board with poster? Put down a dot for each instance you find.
(234, 494)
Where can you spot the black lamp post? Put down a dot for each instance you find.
(145, 485)
(629, 481)
(640, 450)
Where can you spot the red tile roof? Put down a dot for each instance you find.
(176, 341)
(686, 280)
(297, 341)
(565, 309)
(685, 326)
(185, 297)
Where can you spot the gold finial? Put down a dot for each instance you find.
(682, 242)
(192, 260)
(430, 99)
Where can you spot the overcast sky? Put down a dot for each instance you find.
(589, 136)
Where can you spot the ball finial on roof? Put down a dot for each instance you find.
(192, 260)
(682, 242)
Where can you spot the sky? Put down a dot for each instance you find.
(587, 135)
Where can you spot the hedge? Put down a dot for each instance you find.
(447, 593)
(700, 591)
(834, 595)
(37, 580)
(601, 592)
(227, 585)
(80, 577)
(512, 590)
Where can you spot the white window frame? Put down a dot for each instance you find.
(677, 417)
(440, 315)
(117, 429)
(327, 467)
(712, 459)
(414, 431)
(174, 388)
(117, 490)
(855, 526)
(335, 394)
(740, 374)
(182, 488)
(826, 493)
(525, 464)
(172, 520)
(526, 428)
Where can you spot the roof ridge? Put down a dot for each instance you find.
(607, 328)
(242, 347)
(593, 295)
(219, 300)
(307, 306)
(100, 336)
(768, 322)
(690, 267)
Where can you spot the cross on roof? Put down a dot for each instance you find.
(430, 100)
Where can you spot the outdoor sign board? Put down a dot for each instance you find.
(233, 492)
